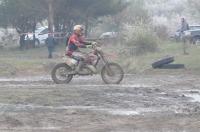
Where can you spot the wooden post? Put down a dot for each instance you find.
(184, 45)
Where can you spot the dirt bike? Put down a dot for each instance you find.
(111, 73)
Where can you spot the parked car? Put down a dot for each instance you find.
(178, 34)
(108, 35)
(193, 36)
(40, 35)
(194, 27)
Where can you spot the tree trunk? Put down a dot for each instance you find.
(51, 15)
(34, 28)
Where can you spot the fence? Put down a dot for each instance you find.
(26, 41)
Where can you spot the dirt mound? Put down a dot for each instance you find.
(7, 69)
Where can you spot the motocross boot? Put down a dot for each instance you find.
(80, 64)
(78, 68)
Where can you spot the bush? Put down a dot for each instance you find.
(161, 32)
(139, 39)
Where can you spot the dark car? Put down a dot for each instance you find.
(178, 34)
(193, 36)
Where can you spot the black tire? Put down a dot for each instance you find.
(116, 75)
(62, 76)
(162, 62)
(172, 66)
(196, 40)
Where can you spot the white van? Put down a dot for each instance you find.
(40, 35)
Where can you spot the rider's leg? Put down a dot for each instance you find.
(80, 56)
(80, 64)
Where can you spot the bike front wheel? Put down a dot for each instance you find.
(112, 73)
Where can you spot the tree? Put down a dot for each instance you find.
(70, 12)
(194, 6)
(24, 14)
(87, 10)
(132, 14)
(51, 15)
(19, 14)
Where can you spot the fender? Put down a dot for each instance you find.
(109, 54)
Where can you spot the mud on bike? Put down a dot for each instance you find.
(111, 73)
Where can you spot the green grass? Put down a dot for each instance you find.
(15, 62)
(142, 63)
(191, 59)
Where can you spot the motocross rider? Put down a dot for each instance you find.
(76, 41)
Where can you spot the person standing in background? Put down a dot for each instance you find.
(50, 43)
(184, 25)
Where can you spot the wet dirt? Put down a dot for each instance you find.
(141, 102)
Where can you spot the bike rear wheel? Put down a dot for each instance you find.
(60, 74)
(112, 73)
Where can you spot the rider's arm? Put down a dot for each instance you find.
(88, 43)
(75, 40)
(84, 42)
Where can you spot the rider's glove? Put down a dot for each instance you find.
(93, 43)
(89, 46)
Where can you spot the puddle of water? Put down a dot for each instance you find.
(25, 79)
(162, 98)
(123, 112)
(129, 112)
(195, 97)
(137, 86)
(17, 108)
(163, 93)
(30, 85)
(33, 128)
(117, 85)
(120, 112)
(189, 91)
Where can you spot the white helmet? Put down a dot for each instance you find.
(78, 29)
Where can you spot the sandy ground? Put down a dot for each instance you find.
(148, 102)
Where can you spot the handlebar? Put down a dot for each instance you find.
(97, 47)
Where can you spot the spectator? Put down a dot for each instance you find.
(50, 42)
(184, 25)
(22, 41)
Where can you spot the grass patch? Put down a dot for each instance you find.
(15, 62)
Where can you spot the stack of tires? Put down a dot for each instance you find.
(166, 64)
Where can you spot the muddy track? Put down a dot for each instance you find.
(168, 102)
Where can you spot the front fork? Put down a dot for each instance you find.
(105, 62)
